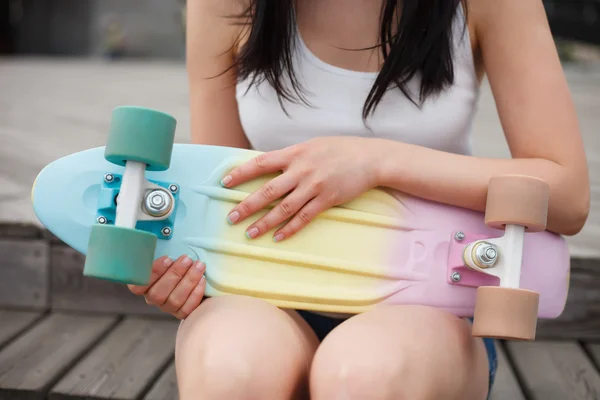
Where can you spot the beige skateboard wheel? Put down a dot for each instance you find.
(504, 313)
(517, 200)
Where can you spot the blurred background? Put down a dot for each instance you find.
(66, 63)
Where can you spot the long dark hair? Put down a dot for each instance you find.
(415, 39)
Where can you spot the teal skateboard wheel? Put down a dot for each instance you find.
(142, 135)
(120, 254)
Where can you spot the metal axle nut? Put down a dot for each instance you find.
(486, 254)
(157, 203)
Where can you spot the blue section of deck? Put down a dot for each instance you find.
(70, 193)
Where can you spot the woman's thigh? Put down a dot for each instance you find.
(235, 347)
(401, 352)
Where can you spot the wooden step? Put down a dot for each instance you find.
(123, 365)
(32, 362)
(69, 356)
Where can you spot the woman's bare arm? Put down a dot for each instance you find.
(537, 115)
(210, 52)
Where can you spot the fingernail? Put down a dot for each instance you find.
(186, 261)
(200, 285)
(199, 265)
(233, 217)
(167, 262)
(278, 237)
(251, 233)
(226, 180)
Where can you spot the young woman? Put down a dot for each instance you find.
(343, 96)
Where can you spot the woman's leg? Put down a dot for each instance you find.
(235, 347)
(401, 352)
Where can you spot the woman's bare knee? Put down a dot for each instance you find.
(415, 353)
(338, 374)
(237, 347)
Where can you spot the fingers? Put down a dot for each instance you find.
(264, 163)
(285, 210)
(159, 292)
(193, 300)
(176, 287)
(260, 199)
(159, 267)
(299, 208)
(180, 294)
(309, 212)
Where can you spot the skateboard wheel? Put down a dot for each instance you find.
(517, 200)
(120, 254)
(505, 313)
(141, 134)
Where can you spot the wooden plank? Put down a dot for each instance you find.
(51, 237)
(24, 268)
(581, 317)
(593, 350)
(124, 365)
(18, 230)
(165, 387)
(555, 370)
(14, 322)
(506, 386)
(71, 291)
(30, 364)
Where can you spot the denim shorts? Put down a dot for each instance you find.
(322, 325)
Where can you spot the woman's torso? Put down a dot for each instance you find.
(336, 83)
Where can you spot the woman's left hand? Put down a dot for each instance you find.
(317, 175)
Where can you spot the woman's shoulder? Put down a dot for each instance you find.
(221, 21)
(221, 8)
(211, 35)
(498, 25)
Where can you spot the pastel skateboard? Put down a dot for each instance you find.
(142, 196)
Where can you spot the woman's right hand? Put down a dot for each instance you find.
(176, 287)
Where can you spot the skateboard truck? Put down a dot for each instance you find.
(140, 199)
(131, 201)
(140, 140)
(157, 202)
(516, 204)
(499, 257)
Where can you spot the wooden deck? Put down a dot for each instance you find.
(63, 355)
(65, 336)
(77, 356)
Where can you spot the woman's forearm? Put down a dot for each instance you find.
(462, 180)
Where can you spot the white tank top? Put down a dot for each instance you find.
(336, 97)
